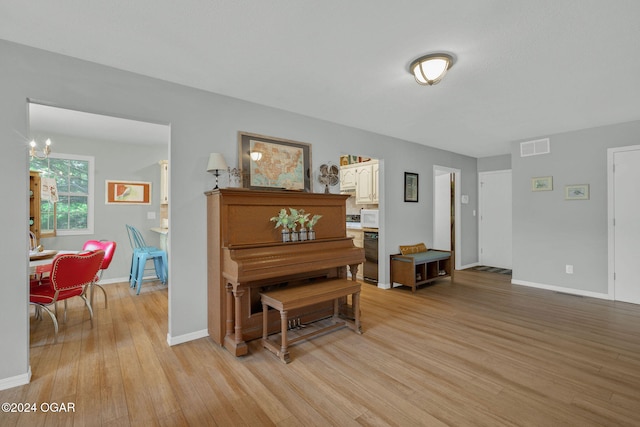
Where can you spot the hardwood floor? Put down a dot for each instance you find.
(478, 351)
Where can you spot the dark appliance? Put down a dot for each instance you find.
(371, 256)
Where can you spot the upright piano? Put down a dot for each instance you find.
(246, 256)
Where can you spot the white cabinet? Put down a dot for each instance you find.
(367, 183)
(164, 182)
(348, 177)
(375, 175)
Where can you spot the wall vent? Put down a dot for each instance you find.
(534, 148)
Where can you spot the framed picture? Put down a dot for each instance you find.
(127, 193)
(410, 187)
(576, 192)
(542, 183)
(269, 163)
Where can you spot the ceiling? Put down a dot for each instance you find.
(45, 121)
(524, 69)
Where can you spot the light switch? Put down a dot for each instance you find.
(151, 215)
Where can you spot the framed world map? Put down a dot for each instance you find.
(274, 163)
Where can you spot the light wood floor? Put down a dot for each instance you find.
(476, 352)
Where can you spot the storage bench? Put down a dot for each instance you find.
(420, 268)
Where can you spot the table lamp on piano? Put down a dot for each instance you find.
(215, 165)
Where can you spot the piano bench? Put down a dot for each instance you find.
(306, 295)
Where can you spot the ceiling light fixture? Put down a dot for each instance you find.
(33, 151)
(428, 70)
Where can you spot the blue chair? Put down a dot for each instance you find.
(141, 254)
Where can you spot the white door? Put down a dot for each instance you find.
(442, 211)
(626, 211)
(495, 218)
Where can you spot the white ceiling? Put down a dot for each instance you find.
(524, 69)
(46, 120)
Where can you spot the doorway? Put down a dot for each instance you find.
(624, 228)
(446, 208)
(122, 149)
(495, 218)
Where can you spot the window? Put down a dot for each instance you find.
(74, 179)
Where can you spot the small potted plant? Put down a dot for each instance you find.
(312, 222)
(294, 217)
(282, 220)
(303, 218)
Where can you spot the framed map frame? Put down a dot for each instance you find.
(269, 163)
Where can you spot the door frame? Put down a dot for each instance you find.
(611, 216)
(457, 241)
(481, 210)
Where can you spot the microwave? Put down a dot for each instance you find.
(369, 218)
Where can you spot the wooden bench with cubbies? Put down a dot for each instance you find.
(415, 269)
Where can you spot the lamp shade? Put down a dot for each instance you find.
(430, 69)
(216, 162)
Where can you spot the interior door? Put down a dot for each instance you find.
(495, 218)
(626, 211)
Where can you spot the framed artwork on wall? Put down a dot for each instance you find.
(410, 187)
(542, 183)
(576, 192)
(127, 193)
(269, 163)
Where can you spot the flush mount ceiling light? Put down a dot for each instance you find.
(428, 70)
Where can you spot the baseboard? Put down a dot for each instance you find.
(464, 267)
(115, 280)
(572, 291)
(123, 279)
(384, 285)
(18, 380)
(187, 337)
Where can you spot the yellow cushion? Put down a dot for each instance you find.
(413, 249)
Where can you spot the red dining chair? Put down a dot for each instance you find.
(109, 249)
(70, 276)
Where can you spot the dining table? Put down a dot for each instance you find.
(40, 262)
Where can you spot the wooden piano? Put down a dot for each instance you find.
(246, 256)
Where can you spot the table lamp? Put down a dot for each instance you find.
(215, 165)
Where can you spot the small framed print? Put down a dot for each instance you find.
(128, 193)
(542, 183)
(576, 192)
(410, 187)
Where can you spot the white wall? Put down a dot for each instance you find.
(550, 232)
(201, 123)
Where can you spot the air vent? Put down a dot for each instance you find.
(534, 148)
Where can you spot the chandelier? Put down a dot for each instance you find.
(46, 150)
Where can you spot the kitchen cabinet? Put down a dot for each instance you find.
(36, 212)
(348, 178)
(358, 241)
(374, 183)
(34, 204)
(164, 182)
(367, 183)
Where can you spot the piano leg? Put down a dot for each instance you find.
(235, 344)
(284, 353)
(353, 268)
(229, 321)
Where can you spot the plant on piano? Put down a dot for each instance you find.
(282, 220)
(313, 221)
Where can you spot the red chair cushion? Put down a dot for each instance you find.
(44, 294)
